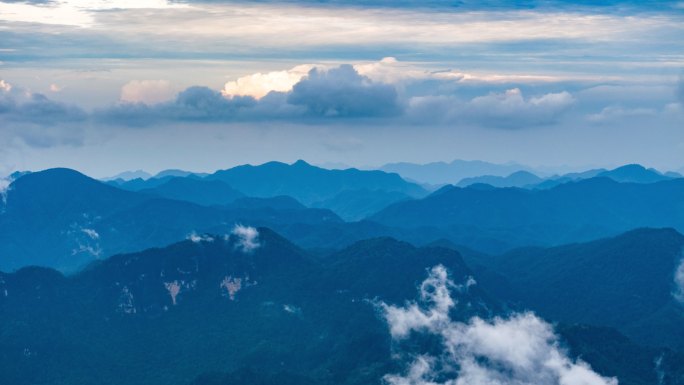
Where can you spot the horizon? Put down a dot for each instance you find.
(544, 173)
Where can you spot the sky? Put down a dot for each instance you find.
(107, 86)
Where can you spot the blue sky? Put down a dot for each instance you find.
(104, 86)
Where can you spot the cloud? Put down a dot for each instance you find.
(37, 120)
(509, 109)
(521, 349)
(612, 113)
(147, 91)
(679, 282)
(200, 103)
(260, 84)
(247, 238)
(4, 86)
(342, 91)
(70, 12)
(680, 91)
(198, 238)
(392, 92)
(38, 108)
(91, 233)
(335, 92)
(4, 189)
(193, 104)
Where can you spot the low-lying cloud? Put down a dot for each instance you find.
(387, 91)
(247, 238)
(4, 189)
(679, 282)
(520, 349)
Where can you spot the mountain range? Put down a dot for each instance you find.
(440, 173)
(249, 307)
(247, 276)
(218, 303)
(467, 172)
(60, 218)
(631, 173)
(571, 212)
(63, 219)
(627, 282)
(353, 194)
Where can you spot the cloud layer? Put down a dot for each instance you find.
(384, 89)
(321, 93)
(36, 120)
(521, 349)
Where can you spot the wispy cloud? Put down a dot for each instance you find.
(4, 189)
(71, 12)
(612, 113)
(275, 29)
(521, 349)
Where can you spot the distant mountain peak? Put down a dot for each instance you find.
(129, 175)
(634, 173)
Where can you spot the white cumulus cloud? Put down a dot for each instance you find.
(260, 84)
(247, 238)
(521, 349)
